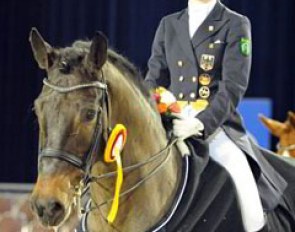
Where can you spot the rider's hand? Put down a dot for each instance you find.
(182, 147)
(185, 127)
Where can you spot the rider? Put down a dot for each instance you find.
(202, 54)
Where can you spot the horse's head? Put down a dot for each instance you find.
(67, 121)
(285, 131)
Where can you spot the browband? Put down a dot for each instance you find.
(60, 89)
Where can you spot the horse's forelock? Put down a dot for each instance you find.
(82, 45)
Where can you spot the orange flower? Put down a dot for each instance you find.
(174, 108)
(162, 108)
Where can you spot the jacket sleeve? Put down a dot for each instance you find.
(158, 73)
(236, 66)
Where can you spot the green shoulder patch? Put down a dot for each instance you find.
(245, 46)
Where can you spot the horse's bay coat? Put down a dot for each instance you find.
(175, 64)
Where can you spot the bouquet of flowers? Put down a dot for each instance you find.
(166, 102)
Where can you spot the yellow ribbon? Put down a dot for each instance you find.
(112, 154)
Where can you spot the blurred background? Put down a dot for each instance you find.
(130, 26)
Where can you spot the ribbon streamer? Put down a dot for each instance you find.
(112, 154)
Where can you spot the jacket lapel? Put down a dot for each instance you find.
(212, 24)
(182, 32)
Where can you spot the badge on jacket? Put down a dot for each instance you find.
(204, 92)
(205, 79)
(245, 46)
(207, 62)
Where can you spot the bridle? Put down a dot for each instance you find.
(87, 161)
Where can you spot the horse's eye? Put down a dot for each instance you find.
(90, 115)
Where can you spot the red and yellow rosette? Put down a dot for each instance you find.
(112, 154)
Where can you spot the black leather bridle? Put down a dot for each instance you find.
(85, 162)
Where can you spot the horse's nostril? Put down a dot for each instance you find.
(55, 207)
(39, 208)
(40, 211)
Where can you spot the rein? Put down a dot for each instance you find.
(133, 167)
(86, 162)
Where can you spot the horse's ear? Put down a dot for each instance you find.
(291, 118)
(275, 127)
(98, 51)
(41, 49)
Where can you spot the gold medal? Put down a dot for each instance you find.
(204, 92)
(199, 104)
(205, 79)
(207, 62)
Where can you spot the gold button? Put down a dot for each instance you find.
(211, 45)
(180, 95)
(192, 95)
(181, 78)
(194, 79)
(211, 28)
(180, 63)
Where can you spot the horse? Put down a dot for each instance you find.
(285, 131)
(89, 90)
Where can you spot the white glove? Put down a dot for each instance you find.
(185, 127)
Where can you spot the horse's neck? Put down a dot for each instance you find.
(143, 207)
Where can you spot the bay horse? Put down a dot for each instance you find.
(90, 89)
(284, 131)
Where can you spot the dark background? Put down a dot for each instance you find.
(130, 26)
